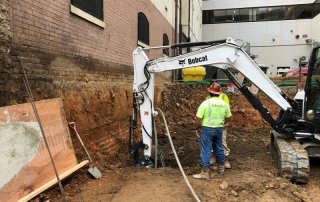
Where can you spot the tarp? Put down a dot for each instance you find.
(295, 72)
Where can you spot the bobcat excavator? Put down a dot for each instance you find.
(295, 134)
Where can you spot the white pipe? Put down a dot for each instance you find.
(177, 159)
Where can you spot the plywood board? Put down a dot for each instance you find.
(52, 182)
(24, 160)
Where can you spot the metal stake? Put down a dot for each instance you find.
(26, 83)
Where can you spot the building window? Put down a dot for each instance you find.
(232, 15)
(259, 14)
(165, 42)
(272, 13)
(89, 10)
(92, 7)
(220, 16)
(245, 15)
(301, 11)
(282, 71)
(143, 30)
(207, 17)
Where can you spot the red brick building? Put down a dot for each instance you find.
(81, 52)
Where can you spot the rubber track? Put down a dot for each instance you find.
(291, 158)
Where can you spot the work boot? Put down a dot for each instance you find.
(213, 160)
(221, 169)
(212, 171)
(227, 163)
(204, 174)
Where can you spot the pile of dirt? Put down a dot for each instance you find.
(253, 176)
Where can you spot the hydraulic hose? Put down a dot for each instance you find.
(177, 159)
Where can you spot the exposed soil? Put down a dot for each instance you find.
(253, 176)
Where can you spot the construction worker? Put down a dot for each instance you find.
(227, 165)
(211, 116)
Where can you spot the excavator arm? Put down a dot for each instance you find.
(225, 56)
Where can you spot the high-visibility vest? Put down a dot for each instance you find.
(223, 97)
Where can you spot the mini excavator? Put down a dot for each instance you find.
(295, 134)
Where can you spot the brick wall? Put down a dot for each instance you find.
(51, 26)
(65, 56)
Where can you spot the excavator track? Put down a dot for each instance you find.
(291, 158)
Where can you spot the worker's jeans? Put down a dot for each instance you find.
(224, 142)
(208, 137)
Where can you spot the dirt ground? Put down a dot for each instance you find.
(253, 176)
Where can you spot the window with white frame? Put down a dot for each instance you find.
(90, 10)
(143, 30)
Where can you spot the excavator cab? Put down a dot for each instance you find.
(312, 89)
(292, 156)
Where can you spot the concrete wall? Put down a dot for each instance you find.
(167, 9)
(185, 12)
(66, 56)
(191, 19)
(316, 29)
(274, 42)
(196, 21)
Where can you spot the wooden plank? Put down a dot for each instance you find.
(53, 182)
(23, 155)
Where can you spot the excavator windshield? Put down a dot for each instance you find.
(313, 85)
(315, 69)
